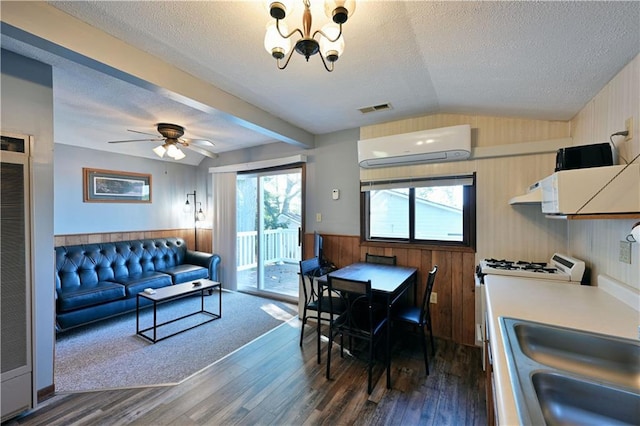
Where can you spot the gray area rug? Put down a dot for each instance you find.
(109, 354)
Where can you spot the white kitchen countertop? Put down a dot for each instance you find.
(568, 305)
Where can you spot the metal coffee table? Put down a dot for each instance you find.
(175, 292)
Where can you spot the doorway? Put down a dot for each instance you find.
(269, 232)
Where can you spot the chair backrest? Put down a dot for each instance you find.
(309, 268)
(431, 279)
(384, 260)
(349, 286)
(357, 296)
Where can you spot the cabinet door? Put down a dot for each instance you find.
(15, 281)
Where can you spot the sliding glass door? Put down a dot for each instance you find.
(269, 223)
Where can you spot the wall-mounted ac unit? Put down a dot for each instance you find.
(426, 146)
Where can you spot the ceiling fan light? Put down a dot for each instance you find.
(171, 150)
(274, 43)
(178, 155)
(159, 150)
(339, 11)
(331, 50)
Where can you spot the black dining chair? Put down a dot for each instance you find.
(309, 269)
(362, 320)
(420, 316)
(383, 260)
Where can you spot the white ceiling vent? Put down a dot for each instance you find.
(427, 146)
(381, 107)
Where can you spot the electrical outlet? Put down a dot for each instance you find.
(318, 217)
(625, 252)
(628, 126)
(434, 298)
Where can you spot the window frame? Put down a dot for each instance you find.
(468, 218)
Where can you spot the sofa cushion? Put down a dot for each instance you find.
(134, 284)
(89, 295)
(186, 273)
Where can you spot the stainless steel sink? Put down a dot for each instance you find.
(567, 376)
(566, 400)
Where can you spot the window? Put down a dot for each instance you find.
(434, 211)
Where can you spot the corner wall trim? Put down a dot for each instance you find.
(256, 165)
(524, 148)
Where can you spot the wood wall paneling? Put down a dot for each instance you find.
(204, 237)
(468, 299)
(485, 130)
(453, 316)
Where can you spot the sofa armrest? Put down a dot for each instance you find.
(206, 260)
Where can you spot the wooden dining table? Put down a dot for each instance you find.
(388, 282)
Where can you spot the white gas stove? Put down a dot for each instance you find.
(559, 268)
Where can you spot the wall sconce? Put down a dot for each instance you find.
(198, 214)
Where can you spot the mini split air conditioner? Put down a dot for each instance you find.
(426, 146)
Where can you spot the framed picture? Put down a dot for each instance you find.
(109, 186)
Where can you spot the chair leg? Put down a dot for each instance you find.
(388, 354)
(370, 366)
(424, 350)
(433, 345)
(329, 353)
(319, 327)
(304, 321)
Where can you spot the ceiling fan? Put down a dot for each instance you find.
(172, 142)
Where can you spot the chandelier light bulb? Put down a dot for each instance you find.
(279, 9)
(274, 43)
(331, 50)
(339, 11)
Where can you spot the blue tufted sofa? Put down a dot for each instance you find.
(96, 281)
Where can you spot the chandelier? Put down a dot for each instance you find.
(277, 40)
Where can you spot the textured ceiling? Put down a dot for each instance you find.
(541, 60)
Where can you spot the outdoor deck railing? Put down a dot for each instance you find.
(279, 245)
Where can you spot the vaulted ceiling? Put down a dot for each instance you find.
(541, 60)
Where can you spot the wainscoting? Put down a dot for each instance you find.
(204, 237)
(454, 315)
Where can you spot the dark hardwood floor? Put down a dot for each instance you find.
(273, 381)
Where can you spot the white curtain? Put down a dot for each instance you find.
(224, 226)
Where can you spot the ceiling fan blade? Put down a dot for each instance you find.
(201, 151)
(200, 142)
(142, 133)
(139, 140)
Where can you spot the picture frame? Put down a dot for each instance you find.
(111, 186)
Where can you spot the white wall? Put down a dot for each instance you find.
(170, 182)
(27, 108)
(598, 241)
(333, 163)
